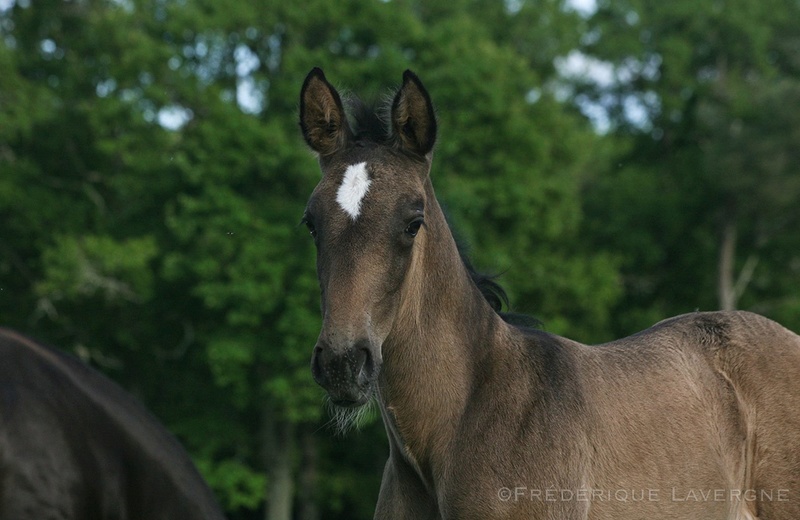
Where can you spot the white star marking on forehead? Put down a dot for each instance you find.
(353, 189)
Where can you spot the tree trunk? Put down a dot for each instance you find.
(727, 259)
(730, 286)
(278, 439)
(307, 506)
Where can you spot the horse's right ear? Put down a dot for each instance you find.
(322, 116)
(413, 117)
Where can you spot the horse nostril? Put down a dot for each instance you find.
(364, 363)
(316, 367)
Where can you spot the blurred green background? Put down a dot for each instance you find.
(617, 162)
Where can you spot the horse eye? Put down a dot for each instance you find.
(413, 227)
(311, 228)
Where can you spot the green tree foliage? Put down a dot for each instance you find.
(152, 178)
(701, 197)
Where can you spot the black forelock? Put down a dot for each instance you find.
(368, 122)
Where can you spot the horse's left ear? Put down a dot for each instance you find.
(322, 117)
(413, 118)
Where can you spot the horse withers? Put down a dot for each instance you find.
(75, 446)
(695, 418)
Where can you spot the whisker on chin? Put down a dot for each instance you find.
(344, 420)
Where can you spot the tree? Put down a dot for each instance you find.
(702, 202)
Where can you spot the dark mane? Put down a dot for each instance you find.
(497, 297)
(492, 291)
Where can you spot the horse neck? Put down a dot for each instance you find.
(444, 327)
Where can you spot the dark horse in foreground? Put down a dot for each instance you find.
(75, 446)
(696, 418)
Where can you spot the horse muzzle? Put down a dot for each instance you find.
(347, 373)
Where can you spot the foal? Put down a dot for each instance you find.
(697, 417)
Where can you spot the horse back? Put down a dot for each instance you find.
(716, 393)
(73, 445)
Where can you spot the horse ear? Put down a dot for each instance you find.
(322, 117)
(413, 118)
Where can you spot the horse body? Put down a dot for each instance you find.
(697, 417)
(75, 446)
(676, 422)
